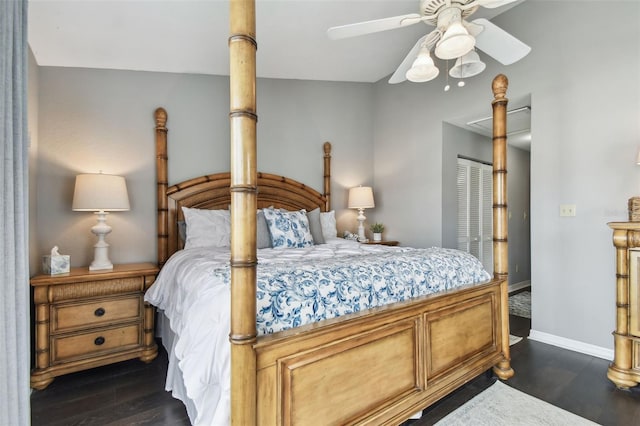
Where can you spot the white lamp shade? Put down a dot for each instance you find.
(467, 66)
(100, 192)
(361, 197)
(423, 68)
(455, 42)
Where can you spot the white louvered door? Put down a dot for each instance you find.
(475, 224)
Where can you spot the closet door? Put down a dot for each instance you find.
(475, 221)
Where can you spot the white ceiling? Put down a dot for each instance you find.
(190, 36)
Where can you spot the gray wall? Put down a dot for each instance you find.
(585, 94)
(92, 120)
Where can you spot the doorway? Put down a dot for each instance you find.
(464, 141)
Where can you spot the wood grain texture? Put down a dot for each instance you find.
(624, 371)
(85, 319)
(162, 180)
(501, 213)
(394, 344)
(243, 190)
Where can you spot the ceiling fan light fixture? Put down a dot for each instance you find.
(455, 42)
(467, 66)
(423, 68)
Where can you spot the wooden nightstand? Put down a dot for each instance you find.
(383, 243)
(86, 319)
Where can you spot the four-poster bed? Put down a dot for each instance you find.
(377, 366)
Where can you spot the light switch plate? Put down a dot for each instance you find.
(567, 210)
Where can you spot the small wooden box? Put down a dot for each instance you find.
(634, 209)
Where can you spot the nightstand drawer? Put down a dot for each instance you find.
(72, 316)
(89, 344)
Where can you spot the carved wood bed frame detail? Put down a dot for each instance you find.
(421, 349)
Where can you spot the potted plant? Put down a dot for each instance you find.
(377, 229)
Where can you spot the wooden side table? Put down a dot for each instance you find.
(384, 243)
(85, 319)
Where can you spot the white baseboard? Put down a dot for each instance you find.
(517, 286)
(572, 345)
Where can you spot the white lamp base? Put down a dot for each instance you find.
(101, 248)
(361, 218)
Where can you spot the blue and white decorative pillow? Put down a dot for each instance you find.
(288, 229)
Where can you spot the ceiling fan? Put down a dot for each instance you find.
(453, 38)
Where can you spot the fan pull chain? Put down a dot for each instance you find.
(447, 87)
(461, 82)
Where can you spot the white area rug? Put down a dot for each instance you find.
(502, 405)
(514, 339)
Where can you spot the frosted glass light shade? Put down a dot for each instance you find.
(361, 197)
(423, 68)
(100, 192)
(455, 42)
(467, 66)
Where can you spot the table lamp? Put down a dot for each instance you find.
(101, 194)
(361, 197)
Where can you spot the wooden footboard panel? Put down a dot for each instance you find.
(381, 366)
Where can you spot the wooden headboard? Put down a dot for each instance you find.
(213, 192)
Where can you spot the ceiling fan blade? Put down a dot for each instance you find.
(492, 4)
(400, 75)
(499, 44)
(368, 27)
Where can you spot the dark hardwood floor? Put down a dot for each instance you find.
(126, 393)
(132, 393)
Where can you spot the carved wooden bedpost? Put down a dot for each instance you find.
(500, 214)
(327, 175)
(244, 182)
(162, 182)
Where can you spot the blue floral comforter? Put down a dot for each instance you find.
(295, 287)
(309, 291)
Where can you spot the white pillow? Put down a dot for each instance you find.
(263, 238)
(315, 226)
(207, 228)
(288, 229)
(328, 223)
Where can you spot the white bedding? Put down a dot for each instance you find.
(193, 292)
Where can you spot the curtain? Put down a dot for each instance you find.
(14, 269)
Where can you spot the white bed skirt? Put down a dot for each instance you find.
(174, 383)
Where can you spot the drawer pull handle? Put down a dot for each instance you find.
(99, 312)
(99, 341)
